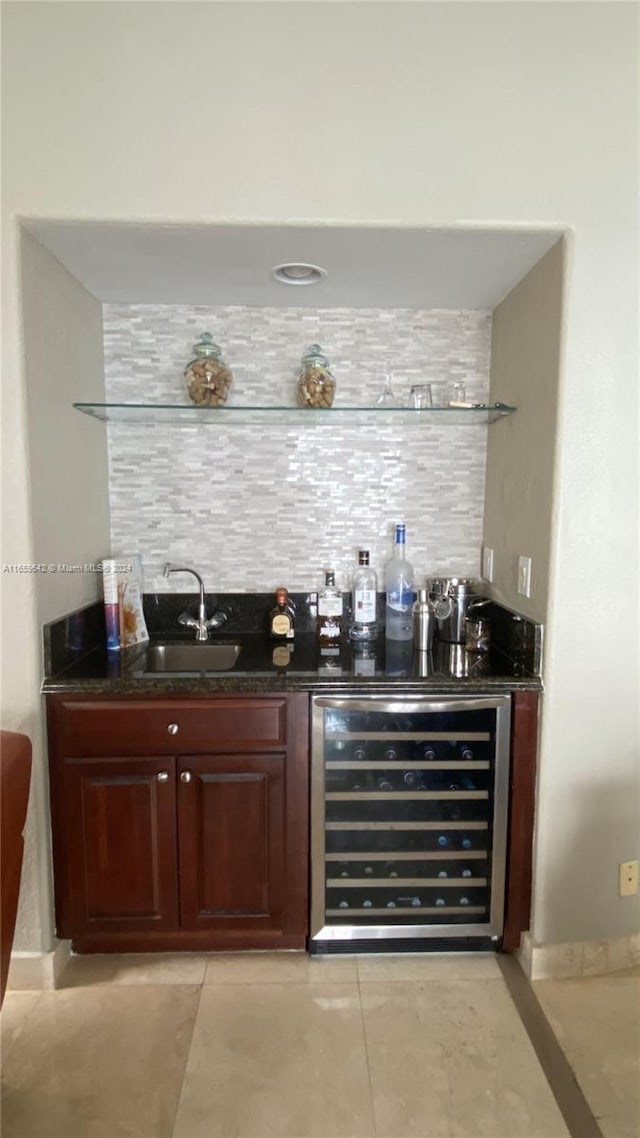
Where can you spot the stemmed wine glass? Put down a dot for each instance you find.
(387, 397)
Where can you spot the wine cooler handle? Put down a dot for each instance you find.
(409, 706)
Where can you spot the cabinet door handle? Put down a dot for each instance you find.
(173, 728)
(186, 776)
(163, 776)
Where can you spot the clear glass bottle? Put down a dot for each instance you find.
(398, 583)
(316, 386)
(282, 616)
(364, 600)
(208, 379)
(329, 622)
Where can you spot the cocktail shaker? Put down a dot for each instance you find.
(424, 622)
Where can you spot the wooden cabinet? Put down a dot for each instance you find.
(180, 824)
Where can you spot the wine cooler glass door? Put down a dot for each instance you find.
(409, 804)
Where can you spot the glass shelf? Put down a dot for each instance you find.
(187, 413)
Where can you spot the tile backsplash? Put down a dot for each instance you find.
(252, 508)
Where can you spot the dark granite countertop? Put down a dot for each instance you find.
(76, 660)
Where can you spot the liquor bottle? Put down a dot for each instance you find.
(398, 583)
(364, 596)
(329, 623)
(282, 617)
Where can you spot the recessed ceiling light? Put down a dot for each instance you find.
(298, 273)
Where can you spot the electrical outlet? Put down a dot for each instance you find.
(628, 878)
(524, 576)
(487, 564)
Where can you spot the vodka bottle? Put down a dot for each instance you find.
(398, 583)
(364, 590)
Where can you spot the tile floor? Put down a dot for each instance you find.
(596, 1020)
(281, 1046)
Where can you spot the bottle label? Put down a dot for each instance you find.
(400, 600)
(364, 605)
(281, 625)
(328, 629)
(329, 606)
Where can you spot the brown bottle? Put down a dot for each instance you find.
(282, 617)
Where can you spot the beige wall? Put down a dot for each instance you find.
(63, 360)
(433, 114)
(62, 331)
(525, 372)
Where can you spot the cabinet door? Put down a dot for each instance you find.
(232, 841)
(119, 854)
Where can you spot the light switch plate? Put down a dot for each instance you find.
(487, 564)
(524, 576)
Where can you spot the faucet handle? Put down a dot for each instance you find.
(217, 620)
(187, 621)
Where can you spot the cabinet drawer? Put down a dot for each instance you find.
(160, 727)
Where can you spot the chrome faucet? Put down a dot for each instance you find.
(202, 624)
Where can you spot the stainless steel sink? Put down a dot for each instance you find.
(193, 657)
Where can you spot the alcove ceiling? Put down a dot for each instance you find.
(366, 266)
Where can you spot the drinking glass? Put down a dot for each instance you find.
(420, 396)
(457, 393)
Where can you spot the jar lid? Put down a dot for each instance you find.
(314, 357)
(205, 346)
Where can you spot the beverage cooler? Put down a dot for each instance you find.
(409, 817)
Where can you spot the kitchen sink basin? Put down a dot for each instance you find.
(193, 657)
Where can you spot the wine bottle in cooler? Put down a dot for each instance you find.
(426, 751)
(398, 583)
(411, 779)
(384, 782)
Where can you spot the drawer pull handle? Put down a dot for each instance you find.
(186, 776)
(173, 728)
(163, 776)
